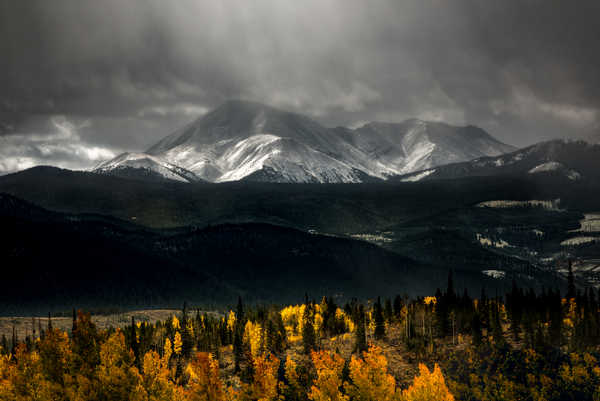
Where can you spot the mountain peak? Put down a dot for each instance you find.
(242, 138)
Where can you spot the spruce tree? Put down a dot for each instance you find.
(398, 307)
(133, 343)
(388, 312)
(379, 320)
(238, 335)
(308, 330)
(186, 337)
(360, 339)
(4, 345)
(476, 330)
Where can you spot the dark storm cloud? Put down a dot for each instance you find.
(135, 70)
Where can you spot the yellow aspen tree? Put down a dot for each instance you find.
(156, 378)
(428, 386)
(6, 374)
(253, 336)
(231, 320)
(177, 343)
(370, 379)
(119, 378)
(328, 384)
(204, 381)
(55, 355)
(175, 323)
(167, 350)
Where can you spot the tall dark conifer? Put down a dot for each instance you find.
(379, 320)
(360, 338)
(238, 335)
(308, 329)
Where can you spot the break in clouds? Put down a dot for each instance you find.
(83, 80)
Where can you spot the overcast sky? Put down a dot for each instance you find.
(81, 80)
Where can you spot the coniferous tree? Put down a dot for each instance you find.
(379, 320)
(133, 342)
(388, 311)
(308, 330)
(476, 330)
(187, 342)
(556, 318)
(14, 341)
(497, 332)
(4, 345)
(442, 317)
(360, 338)
(238, 335)
(398, 304)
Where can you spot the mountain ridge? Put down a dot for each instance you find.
(242, 140)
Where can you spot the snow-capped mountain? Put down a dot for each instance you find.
(250, 141)
(573, 160)
(142, 165)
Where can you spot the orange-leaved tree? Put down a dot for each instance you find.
(264, 386)
(369, 377)
(328, 384)
(428, 386)
(204, 381)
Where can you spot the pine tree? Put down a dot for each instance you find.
(133, 343)
(476, 330)
(497, 333)
(388, 311)
(360, 338)
(186, 336)
(308, 330)
(238, 335)
(4, 345)
(379, 320)
(398, 304)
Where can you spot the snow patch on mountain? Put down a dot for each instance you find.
(556, 167)
(147, 165)
(418, 176)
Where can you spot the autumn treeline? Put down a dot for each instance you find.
(169, 361)
(526, 345)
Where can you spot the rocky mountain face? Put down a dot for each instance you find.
(250, 141)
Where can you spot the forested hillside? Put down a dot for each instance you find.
(443, 347)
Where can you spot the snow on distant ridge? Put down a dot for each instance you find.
(247, 140)
(555, 166)
(145, 163)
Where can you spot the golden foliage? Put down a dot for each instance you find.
(205, 383)
(253, 335)
(156, 378)
(264, 386)
(118, 377)
(177, 343)
(428, 386)
(370, 380)
(328, 384)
